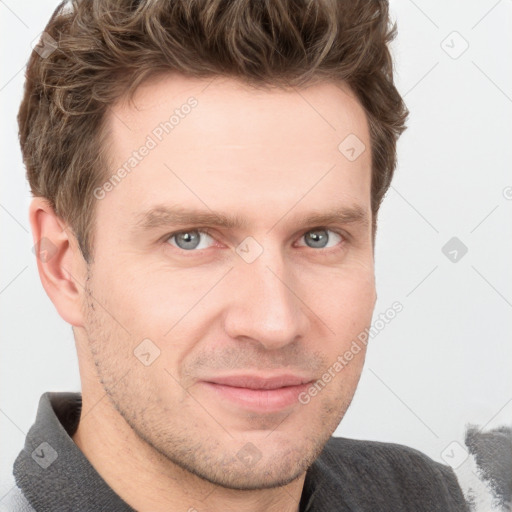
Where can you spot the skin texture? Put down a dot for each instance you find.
(158, 436)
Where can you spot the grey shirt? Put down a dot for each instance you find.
(52, 474)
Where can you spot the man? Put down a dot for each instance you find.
(206, 177)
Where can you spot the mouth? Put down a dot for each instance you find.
(258, 393)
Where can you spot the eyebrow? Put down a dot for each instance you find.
(164, 216)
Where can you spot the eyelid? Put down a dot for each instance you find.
(208, 231)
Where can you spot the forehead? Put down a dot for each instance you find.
(220, 144)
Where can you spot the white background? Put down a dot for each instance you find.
(445, 360)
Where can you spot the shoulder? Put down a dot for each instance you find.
(390, 475)
(375, 456)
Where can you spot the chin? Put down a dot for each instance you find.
(253, 478)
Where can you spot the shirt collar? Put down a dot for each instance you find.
(51, 470)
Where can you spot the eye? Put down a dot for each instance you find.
(318, 238)
(188, 240)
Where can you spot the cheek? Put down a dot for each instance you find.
(164, 306)
(347, 299)
(141, 296)
(347, 308)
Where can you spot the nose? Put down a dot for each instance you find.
(265, 302)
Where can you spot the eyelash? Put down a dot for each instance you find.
(208, 232)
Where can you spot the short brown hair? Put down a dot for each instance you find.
(106, 48)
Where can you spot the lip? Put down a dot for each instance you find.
(259, 393)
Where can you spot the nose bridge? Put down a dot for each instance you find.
(264, 307)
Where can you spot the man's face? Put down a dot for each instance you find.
(268, 295)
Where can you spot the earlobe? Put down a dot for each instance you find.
(59, 261)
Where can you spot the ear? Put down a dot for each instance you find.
(60, 263)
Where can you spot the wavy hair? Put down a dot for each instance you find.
(104, 49)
